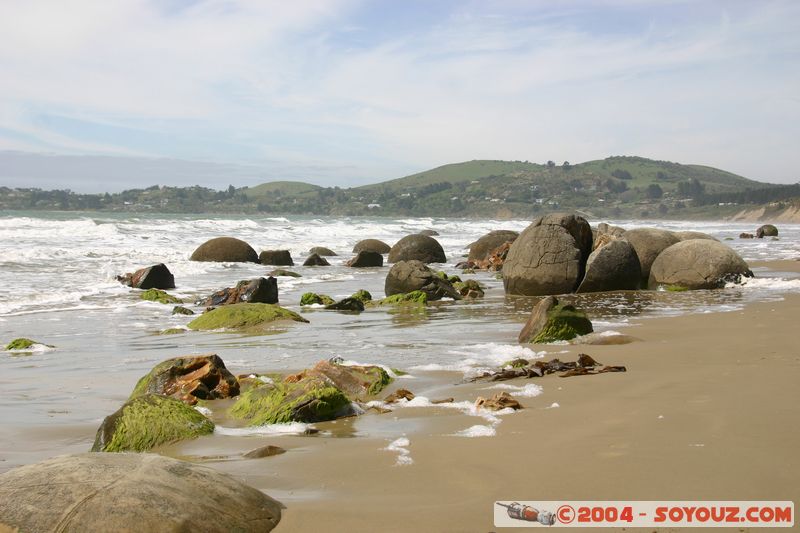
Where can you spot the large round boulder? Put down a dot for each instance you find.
(648, 243)
(689, 235)
(225, 249)
(483, 247)
(697, 264)
(549, 256)
(409, 276)
(417, 247)
(767, 230)
(130, 492)
(322, 251)
(612, 267)
(371, 245)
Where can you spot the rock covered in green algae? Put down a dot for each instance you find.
(412, 298)
(307, 400)
(312, 298)
(452, 279)
(157, 295)
(323, 392)
(188, 379)
(551, 321)
(469, 289)
(363, 295)
(148, 421)
(244, 317)
(181, 310)
(22, 344)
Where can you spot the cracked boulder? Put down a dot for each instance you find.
(697, 264)
(259, 290)
(409, 276)
(188, 379)
(648, 243)
(483, 248)
(130, 492)
(549, 256)
(613, 266)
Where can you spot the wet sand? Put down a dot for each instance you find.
(707, 410)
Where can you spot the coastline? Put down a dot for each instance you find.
(704, 412)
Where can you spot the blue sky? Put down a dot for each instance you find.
(345, 92)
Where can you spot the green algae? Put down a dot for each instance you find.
(452, 279)
(172, 331)
(564, 322)
(149, 421)
(311, 298)
(471, 288)
(413, 297)
(162, 297)
(308, 400)
(362, 295)
(22, 344)
(181, 310)
(243, 317)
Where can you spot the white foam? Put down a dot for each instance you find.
(292, 428)
(771, 284)
(477, 431)
(35, 348)
(202, 410)
(400, 446)
(482, 357)
(529, 390)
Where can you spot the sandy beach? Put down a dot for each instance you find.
(706, 411)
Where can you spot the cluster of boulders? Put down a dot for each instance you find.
(560, 253)
(767, 230)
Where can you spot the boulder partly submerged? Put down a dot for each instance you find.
(613, 266)
(130, 492)
(147, 421)
(481, 249)
(188, 379)
(258, 290)
(244, 317)
(549, 256)
(767, 230)
(276, 258)
(152, 277)
(225, 249)
(419, 248)
(365, 259)
(649, 243)
(409, 276)
(697, 264)
(316, 260)
(371, 245)
(552, 321)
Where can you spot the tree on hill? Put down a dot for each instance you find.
(654, 191)
(622, 174)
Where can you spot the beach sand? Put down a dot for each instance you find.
(707, 410)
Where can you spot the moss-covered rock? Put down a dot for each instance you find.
(162, 297)
(469, 289)
(356, 381)
(22, 344)
(552, 321)
(244, 317)
(452, 279)
(312, 298)
(307, 400)
(363, 295)
(148, 421)
(347, 304)
(181, 310)
(172, 331)
(413, 298)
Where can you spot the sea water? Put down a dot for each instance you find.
(57, 286)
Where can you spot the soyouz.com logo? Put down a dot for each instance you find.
(644, 514)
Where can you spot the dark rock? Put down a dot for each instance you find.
(181, 310)
(153, 277)
(366, 260)
(284, 273)
(259, 290)
(469, 289)
(697, 264)
(419, 248)
(399, 394)
(612, 267)
(648, 243)
(225, 249)
(316, 260)
(551, 321)
(429, 233)
(481, 249)
(147, 421)
(276, 258)
(767, 230)
(549, 256)
(409, 276)
(265, 451)
(371, 245)
(322, 251)
(347, 304)
(188, 379)
(130, 492)
(746, 236)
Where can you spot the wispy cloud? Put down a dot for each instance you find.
(383, 88)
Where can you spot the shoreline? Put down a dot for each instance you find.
(704, 412)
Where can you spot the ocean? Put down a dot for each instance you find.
(57, 286)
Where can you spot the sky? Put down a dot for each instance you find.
(103, 96)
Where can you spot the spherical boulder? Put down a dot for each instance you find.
(648, 243)
(276, 258)
(371, 245)
(410, 276)
(130, 492)
(612, 267)
(689, 235)
(225, 249)
(697, 264)
(767, 230)
(417, 247)
(322, 251)
(549, 256)
(482, 248)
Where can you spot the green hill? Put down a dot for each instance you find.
(281, 189)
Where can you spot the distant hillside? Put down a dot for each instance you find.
(281, 188)
(455, 173)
